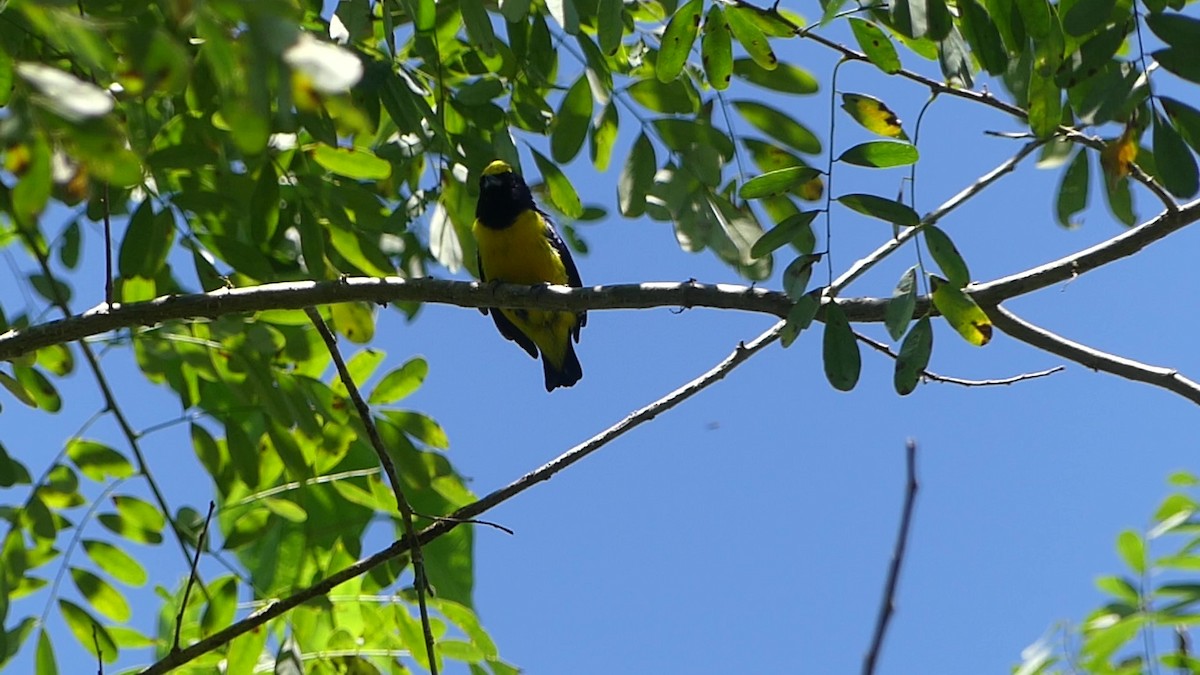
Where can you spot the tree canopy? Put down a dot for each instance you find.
(256, 177)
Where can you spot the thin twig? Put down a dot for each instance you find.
(888, 606)
(467, 521)
(740, 354)
(862, 265)
(187, 590)
(884, 349)
(420, 581)
(1167, 378)
(110, 400)
(99, 652)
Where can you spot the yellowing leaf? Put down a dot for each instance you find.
(355, 320)
(873, 115)
(961, 312)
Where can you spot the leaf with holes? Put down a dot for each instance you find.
(677, 40)
(876, 45)
(874, 115)
(716, 48)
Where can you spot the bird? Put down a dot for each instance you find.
(516, 243)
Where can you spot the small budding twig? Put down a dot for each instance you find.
(420, 581)
(888, 606)
(99, 652)
(187, 590)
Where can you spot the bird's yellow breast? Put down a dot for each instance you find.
(520, 253)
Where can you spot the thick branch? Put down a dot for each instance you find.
(1095, 359)
(1121, 246)
(474, 509)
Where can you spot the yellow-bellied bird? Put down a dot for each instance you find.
(517, 244)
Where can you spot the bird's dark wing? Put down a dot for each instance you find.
(573, 279)
(510, 331)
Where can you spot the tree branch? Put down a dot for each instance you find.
(857, 269)
(740, 354)
(1167, 378)
(887, 606)
(420, 582)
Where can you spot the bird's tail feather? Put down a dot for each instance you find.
(565, 375)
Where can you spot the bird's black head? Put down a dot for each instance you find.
(503, 195)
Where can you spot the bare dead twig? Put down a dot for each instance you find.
(420, 581)
(718, 372)
(888, 605)
(884, 349)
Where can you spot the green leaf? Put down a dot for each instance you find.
(954, 57)
(88, 631)
(677, 40)
(264, 207)
(139, 512)
(902, 305)
(983, 36)
(1133, 551)
(1120, 201)
(18, 391)
(40, 388)
(572, 122)
(637, 178)
(64, 94)
(1036, 17)
(562, 193)
(245, 650)
(876, 45)
(68, 253)
(882, 208)
(101, 595)
(44, 659)
(356, 163)
(913, 357)
(946, 255)
(98, 461)
(674, 97)
(785, 77)
(604, 137)
(400, 382)
(116, 562)
(1086, 16)
(961, 312)
(222, 605)
(1176, 165)
(930, 19)
(716, 49)
(843, 362)
(1073, 190)
(799, 318)
(751, 38)
(1177, 30)
(881, 154)
(874, 115)
(793, 226)
(1186, 120)
(1178, 60)
(479, 25)
(514, 11)
(355, 320)
(33, 189)
(779, 126)
(777, 182)
(1045, 105)
(565, 13)
(797, 275)
(610, 27)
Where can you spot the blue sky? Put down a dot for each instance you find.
(749, 530)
